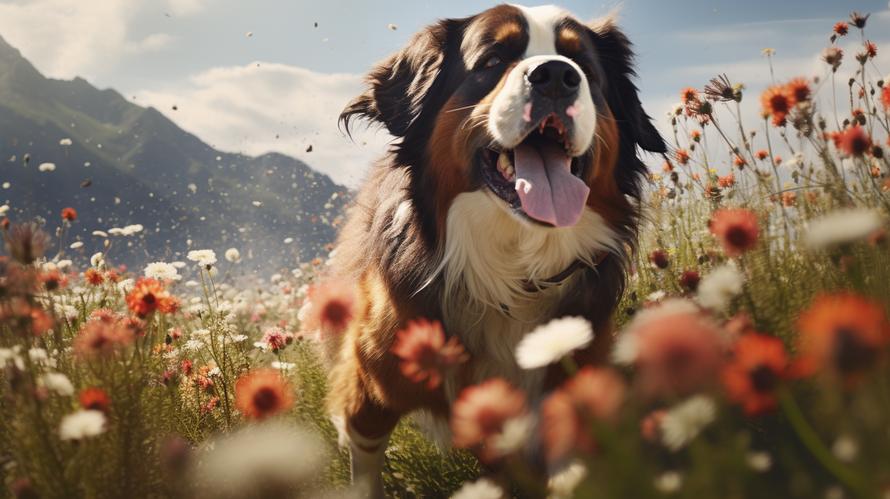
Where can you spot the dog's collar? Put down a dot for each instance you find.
(531, 286)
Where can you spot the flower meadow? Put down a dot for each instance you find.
(750, 357)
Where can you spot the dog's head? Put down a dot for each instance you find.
(527, 103)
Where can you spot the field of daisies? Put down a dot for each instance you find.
(751, 357)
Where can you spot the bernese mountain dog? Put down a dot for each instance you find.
(509, 198)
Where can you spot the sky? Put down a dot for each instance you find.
(272, 75)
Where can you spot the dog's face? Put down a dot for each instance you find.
(527, 103)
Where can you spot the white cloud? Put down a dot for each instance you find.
(186, 7)
(151, 43)
(243, 109)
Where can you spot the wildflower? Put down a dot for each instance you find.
(798, 90)
(204, 258)
(858, 19)
(775, 103)
(885, 96)
(101, 336)
(82, 424)
(871, 50)
(717, 289)
(727, 181)
(758, 365)
(854, 141)
(689, 280)
(695, 135)
(676, 347)
(842, 227)
(233, 255)
(552, 341)
(262, 393)
(59, 383)
(659, 258)
(843, 331)
(762, 154)
(94, 277)
(682, 156)
(264, 460)
(789, 198)
(94, 398)
(329, 307)
(424, 354)
(53, 280)
(686, 420)
(688, 96)
(149, 295)
(276, 339)
(481, 412)
(841, 28)
(162, 271)
(736, 229)
(833, 57)
(69, 214)
(720, 89)
(482, 488)
(563, 484)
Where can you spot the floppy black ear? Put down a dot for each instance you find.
(397, 87)
(616, 58)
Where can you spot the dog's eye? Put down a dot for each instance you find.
(491, 61)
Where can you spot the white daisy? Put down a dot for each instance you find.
(717, 289)
(59, 383)
(683, 422)
(480, 489)
(553, 341)
(842, 227)
(163, 271)
(203, 257)
(233, 255)
(563, 484)
(82, 424)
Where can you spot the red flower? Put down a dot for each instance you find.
(726, 181)
(775, 103)
(758, 365)
(688, 95)
(276, 339)
(854, 141)
(69, 214)
(871, 50)
(682, 156)
(424, 353)
(842, 331)
(149, 295)
(262, 393)
(762, 154)
(695, 135)
(841, 28)
(689, 280)
(736, 229)
(330, 307)
(94, 277)
(480, 413)
(739, 162)
(94, 398)
(53, 280)
(798, 90)
(885, 95)
(659, 258)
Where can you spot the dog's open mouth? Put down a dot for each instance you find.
(538, 176)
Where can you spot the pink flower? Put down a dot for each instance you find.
(277, 339)
(424, 353)
(330, 307)
(480, 413)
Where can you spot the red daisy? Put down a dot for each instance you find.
(842, 331)
(424, 353)
(94, 277)
(262, 393)
(775, 103)
(854, 141)
(149, 295)
(736, 229)
(798, 90)
(752, 377)
(841, 28)
(69, 214)
(480, 413)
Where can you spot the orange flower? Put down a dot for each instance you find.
(736, 229)
(94, 277)
(885, 95)
(739, 162)
(842, 331)
(424, 353)
(330, 307)
(726, 181)
(480, 412)
(53, 280)
(854, 141)
(695, 135)
(102, 334)
(871, 50)
(798, 90)
(69, 214)
(841, 28)
(149, 295)
(94, 398)
(775, 103)
(688, 96)
(682, 156)
(758, 365)
(262, 393)
(789, 198)
(762, 154)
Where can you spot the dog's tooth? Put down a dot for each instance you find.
(504, 162)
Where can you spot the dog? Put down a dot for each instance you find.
(509, 198)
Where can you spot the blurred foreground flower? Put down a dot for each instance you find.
(682, 423)
(553, 341)
(424, 353)
(480, 489)
(149, 295)
(842, 227)
(736, 229)
(329, 307)
(82, 424)
(758, 366)
(262, 393)
(481, 414)
(717, 289)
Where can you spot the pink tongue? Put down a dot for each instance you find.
(546, 187)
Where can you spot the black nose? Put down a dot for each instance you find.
(555, 79)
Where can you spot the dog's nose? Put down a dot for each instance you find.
(554, 79)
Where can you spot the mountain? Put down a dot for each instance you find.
(120, 164)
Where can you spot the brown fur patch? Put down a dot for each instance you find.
(568, 41)
(508, 33)
(605, 197)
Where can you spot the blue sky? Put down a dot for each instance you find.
(281, 87)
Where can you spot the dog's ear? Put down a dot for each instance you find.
(616, 58)
(397, 87)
